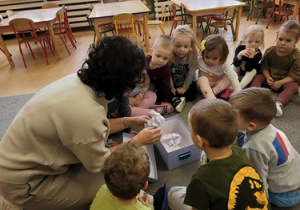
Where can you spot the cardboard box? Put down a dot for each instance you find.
(182, 154)
(150, 151)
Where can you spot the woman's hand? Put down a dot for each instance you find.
(148, 136)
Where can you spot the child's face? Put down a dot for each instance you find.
(160, 57)
(285, 42)
(193, 134)
(212, 58)
(182, 45)
(254, 41)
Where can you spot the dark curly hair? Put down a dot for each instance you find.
(113, 66)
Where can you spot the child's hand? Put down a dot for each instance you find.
(181, 90)
(252, 52)
(173, 90)
(131, 101)
(243, 53)
(138, 99)
(276, 85)
(144, 199)
(270, 81)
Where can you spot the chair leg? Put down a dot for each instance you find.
(205, 31)
(44, 52)
(232, 30)
(62, 39)
(161, 26)
(30, 50)
(21, 51)
(174, 25)
(270, 20)
(249, 14)
(260, 13)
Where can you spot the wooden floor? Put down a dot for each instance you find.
(20, 80)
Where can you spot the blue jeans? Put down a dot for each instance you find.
(287, 199)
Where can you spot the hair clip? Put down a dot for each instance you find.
(203, 45)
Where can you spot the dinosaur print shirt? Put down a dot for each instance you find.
(231, 183)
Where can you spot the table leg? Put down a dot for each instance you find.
(296, 10)
(237, 24)
(96, 27)
(53, 38)
(195, 24)
(146, 33)
(6, 52)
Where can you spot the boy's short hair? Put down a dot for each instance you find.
(255, 104)
(163, 41)
(214, 120)
(126, 170)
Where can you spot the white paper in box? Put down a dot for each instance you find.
(182, 154)
(150, 151)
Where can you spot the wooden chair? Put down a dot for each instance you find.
(103, 28)
(227, 19)
(176, 19)
(188, 18)
(49, 5)
(59, 28)
(162, 21)
(261, 6)
(278, 8)
(68, 29)
(20, 25)
(124, 26)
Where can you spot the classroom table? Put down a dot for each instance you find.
(103, 13)
(208, 7)
(43, 18)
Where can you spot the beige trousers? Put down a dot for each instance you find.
(74, 189)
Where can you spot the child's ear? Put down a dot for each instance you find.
(145, 185)
(150, 51)
(199, 142)
(251, 126)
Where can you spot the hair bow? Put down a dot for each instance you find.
(203, 45)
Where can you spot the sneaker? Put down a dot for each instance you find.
(279, 110)
(178, 103)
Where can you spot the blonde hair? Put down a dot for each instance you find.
(252, 31)
(163, 41)
(291, 26)
(185, 30)
(216, 42)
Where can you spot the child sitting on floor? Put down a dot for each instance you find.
(273, 156)
(228, 180)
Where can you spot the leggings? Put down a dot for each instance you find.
(147, 101)
(286, 92)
